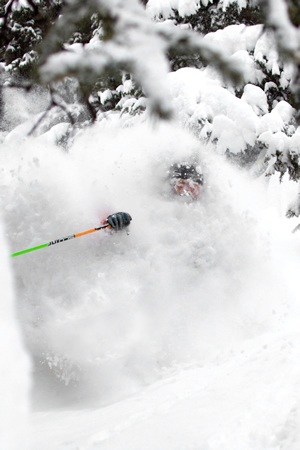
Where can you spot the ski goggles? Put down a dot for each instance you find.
(187, 188)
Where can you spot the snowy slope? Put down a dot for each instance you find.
(243, 391)
(245, 398)
(183, 334)
(244, 394)
(15, 366)
(103, 300)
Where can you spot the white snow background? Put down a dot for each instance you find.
(183, 334)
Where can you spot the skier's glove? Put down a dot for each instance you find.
(119, 220)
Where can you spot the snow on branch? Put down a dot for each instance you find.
(287, 34)
(187, 41)
(158, 8)
(127, 40)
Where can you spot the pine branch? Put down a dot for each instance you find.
(286, 33)
(53, 103)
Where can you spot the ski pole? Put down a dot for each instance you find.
(57, 241)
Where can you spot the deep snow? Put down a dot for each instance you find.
(182, 334)
(15, 366)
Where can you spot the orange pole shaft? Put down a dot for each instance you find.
(85, 232)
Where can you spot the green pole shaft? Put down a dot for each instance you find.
(57, 241)
(29, 250)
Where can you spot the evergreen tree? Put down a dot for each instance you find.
(43, 36)
(22, 30)
(110, 57)
(272, 65)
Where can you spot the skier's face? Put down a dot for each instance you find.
(187, 188)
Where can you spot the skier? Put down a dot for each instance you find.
(186, 180)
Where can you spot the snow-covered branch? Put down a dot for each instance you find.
(287, 34)
(127, 40)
